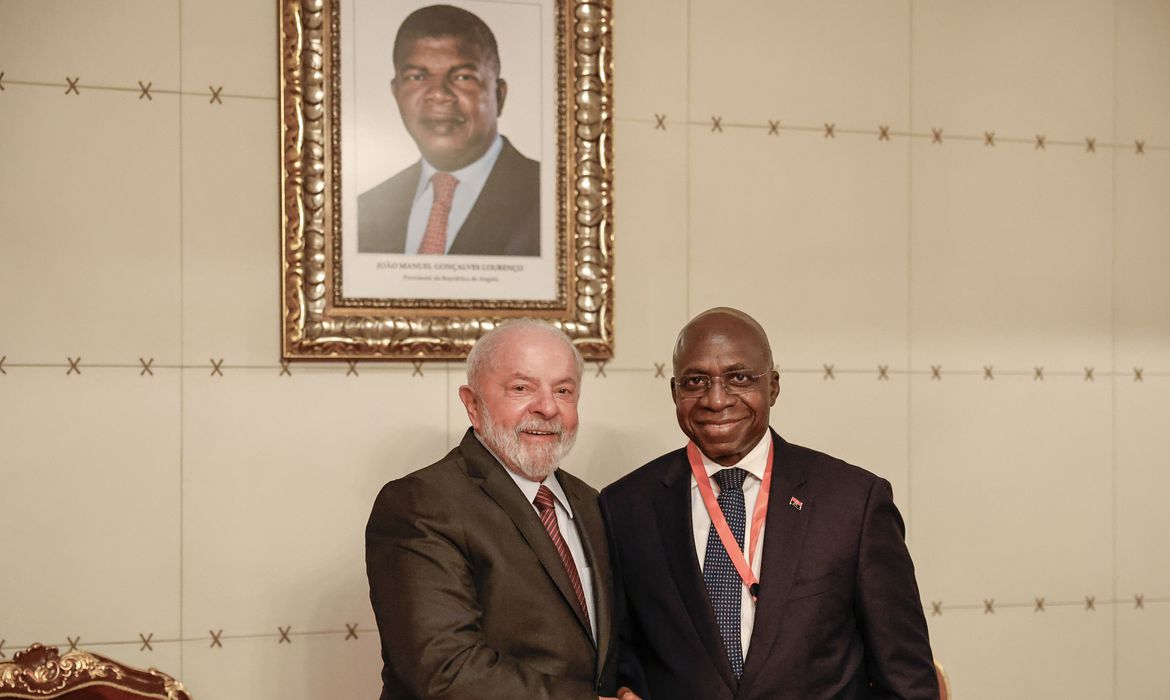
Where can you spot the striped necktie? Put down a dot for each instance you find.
(548, 516)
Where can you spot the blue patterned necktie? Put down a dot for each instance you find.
(724, 586)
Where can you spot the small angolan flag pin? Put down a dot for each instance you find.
(796, 503)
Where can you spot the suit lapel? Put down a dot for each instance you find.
(482, 467)
(673, 507)
(481, 230)
(784, 536)
(592, 531)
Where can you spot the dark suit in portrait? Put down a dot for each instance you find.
(505, 219)
(471, 597)
(838, 614)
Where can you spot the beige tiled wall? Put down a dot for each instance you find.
(145, 495)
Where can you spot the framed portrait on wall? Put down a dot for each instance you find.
(445, 166)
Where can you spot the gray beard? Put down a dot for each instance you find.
(534, 462)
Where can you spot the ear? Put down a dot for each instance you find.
(501, 95)
(773, 387)
(394, 86)
(467, 396)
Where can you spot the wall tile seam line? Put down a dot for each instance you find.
(191, 640)
(393, 366)
(1113, 352)
(944, 136)
(1125, 604)
(139, 90)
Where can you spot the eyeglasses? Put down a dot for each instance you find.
(736, 381)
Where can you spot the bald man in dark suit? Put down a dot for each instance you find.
(836, 614)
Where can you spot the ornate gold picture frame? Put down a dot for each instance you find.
(323, 318)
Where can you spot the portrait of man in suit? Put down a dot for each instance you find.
(489, 570)
(471, 192)
(823, 606)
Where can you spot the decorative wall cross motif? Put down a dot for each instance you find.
(72, 85)
(1090, 145)
(717, 124)
(418, 365)
(936, 373)
(660, 370)
(2, 656)
(883, 132)
(215, 367)
(660, 121)
(1137, 374)
(73, 641)
(284, 370)
(989, 606)
(883, 373)
(773, 127)
(1037, 374)
(1139, 603)
(351, 631)
(146, 641)
(936, 136)
(828, 373)
(601, 369)
(284, 634)
(1, 90)
(988, 372)
(146, 367)
(145, 91)
(1089, 374)
(1039, 605)
(215, 639)
(935, 608)
(989, 138)
(1040, 143)
(73, 365)
(1091, 602)
(2, 370)
(829, 130)
(1139, 147)
(215, 99)
(352, 368)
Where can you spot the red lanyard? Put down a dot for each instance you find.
(759, 513)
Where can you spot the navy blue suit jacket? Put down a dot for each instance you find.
(838, 616)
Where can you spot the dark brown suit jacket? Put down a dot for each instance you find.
(838, 617)
(471, 598)
(505, 219)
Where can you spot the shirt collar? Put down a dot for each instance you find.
(477, 171)
(754, 462)
(529, 487)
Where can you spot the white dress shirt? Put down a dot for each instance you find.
(754, 463)
(471, 181)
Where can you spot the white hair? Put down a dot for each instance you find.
(483, 354)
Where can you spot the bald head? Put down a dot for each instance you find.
(722, 321)
(724, 383)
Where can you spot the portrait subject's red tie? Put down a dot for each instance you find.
(434, 240)
(548, 516)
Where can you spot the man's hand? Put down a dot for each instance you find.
(624, 693)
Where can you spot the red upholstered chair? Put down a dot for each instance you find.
(42, 673)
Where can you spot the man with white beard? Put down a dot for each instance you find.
(489, 570)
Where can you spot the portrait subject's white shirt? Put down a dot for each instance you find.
(471, 181)
(753, 463)
(567, 526)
